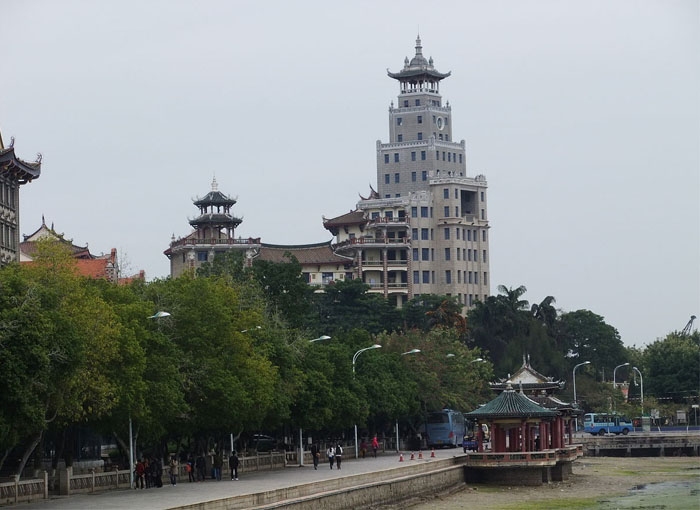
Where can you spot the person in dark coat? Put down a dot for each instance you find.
(233, 462)
(338, 455)
(315, 454)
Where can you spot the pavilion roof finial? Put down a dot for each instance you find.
(214, 184)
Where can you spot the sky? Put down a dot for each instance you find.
(583, 116)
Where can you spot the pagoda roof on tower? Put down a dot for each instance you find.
(214, 197)
(220, 219)
(22, 171)
(417, 67)
(511, 404)
(319, 253)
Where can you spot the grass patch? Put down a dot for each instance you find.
(554, 504)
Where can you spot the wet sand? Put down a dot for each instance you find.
(596, 482)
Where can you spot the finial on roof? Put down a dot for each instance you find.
(12, 141)
(43, 221)
(214, 184)
(419, 48)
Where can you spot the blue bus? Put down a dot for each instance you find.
(445, 428)
(600, 424)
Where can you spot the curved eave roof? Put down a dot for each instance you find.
(511, 404)
(214, 198)
(409, 74)
(351, 218)
(216, 219)
(22, 170)
(319, 253)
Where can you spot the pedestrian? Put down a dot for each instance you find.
(200, 464)
(189, 467)
(233, 465)
(363, 448)
(140, 474)
(218, 464)
(315, 454)
(330, 453)
(338, 455)
(375, 445)
(172, 470)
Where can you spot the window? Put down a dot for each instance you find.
(202, 256)
(326, 278)
(456, 212)
(424, 175)
(476, 278)
(433, 119)
(469, 235)
(399, 138)
(449, 155)
(457, 232)
(422, 155)
(448, 276)
(483, 214)
(416, 277)
(482, 196)
(483, 256)
(396, 157)
(458, 251)
(447, 211)
(386, 179)
(470, 277)
(420, 119)
(396, 178)
(456, 193)
(437, 155)
(413, 176)
(469, 254)
(405, 103)
(470, 300)
(459, 280)
(476, 255)
(424, 234)
(460, 158)
(423, 212)
(425, 253)
(426, 276)
(417, 102)
(375, 215)
(483, 235)
(447, 254)
(443, 155)
(440, 137)
(485, 278)
(386, 159)
(420, 136)
(413, 156)
(447, 233)
(414, 234)
(415, 254)
(399, 121)
(414, 212)
(446, 193)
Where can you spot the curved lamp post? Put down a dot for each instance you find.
(354, 359)
(157, 315)
(574, 374)
(641, 380)
(412, 351)
(321, 338)
(615, 372)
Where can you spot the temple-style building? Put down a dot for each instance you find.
(425, 229)
(14, 172)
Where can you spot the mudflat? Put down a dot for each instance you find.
(596, 482)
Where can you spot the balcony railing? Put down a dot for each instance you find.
(372, 241)
(215, 242)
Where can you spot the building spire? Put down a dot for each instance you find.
(214, 184)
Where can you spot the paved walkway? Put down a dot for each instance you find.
(185, 493)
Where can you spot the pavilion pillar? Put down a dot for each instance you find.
(479, 438)
(525, 436)
(543, 435)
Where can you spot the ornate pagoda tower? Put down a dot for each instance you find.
(14, 172)
(425, 229)
(214, 230)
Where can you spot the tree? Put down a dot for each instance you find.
(672, 367)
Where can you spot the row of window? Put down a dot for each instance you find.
(7, 194)
(468, 298)
(446, 194)
(419, 118)
(433, 102)
(428, 277)
(446, 156)
(467, 254)
(441, 137)
(466, 234)
(7, 237)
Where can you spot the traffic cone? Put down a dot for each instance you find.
(432, 453)
(413, 456)
(400, 457)
(420, 455)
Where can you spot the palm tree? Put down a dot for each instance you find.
(511, 297)
(545, 312)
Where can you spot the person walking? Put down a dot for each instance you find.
(172, 470)
(218, 464)
(233, 462)
(338, 455)
(190, 468)
(330, 453)
(315, 454)
(200, 465)
(375, 446)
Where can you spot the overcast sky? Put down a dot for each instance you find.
(583, 115)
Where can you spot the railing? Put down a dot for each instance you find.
(24, 490)
(215, 241)
(372, 240)
(380, 263)
(94, 481)
(381, 221)
(546, 457)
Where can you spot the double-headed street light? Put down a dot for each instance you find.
(574, 374)
(615, 372)
(354, 359)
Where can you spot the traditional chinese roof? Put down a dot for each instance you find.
(216, 219)
(215, 197)
(511, 404)
(553, 403)
(19, 170)
(373, 195)
(28, 247)
(418, 69)
(352, 218)
(529, 379)
(308, 254)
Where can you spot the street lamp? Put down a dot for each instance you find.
(574, 373)
(301, 439)
(354, 359)
(477, 360)
(157, 315)
(614, 373)
(641, 380)
(246, 330)
(412, 351)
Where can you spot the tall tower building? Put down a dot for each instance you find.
(425, 229)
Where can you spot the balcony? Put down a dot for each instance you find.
(253, 242)
(388, 222)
